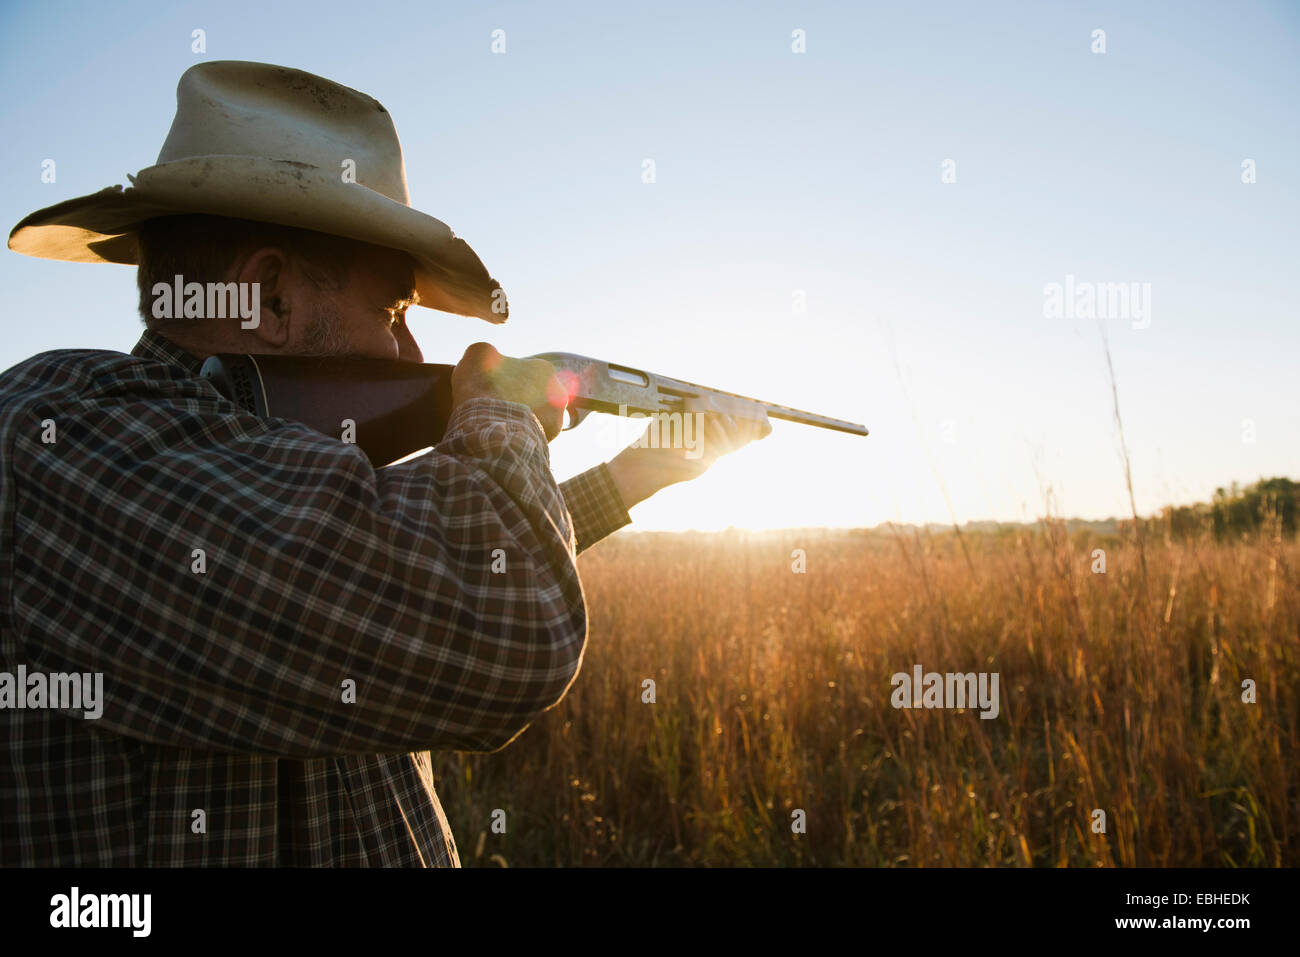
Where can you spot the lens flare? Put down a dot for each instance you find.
(562, 388)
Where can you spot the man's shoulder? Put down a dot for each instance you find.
(82, 373)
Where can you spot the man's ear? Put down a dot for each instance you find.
(267, 268)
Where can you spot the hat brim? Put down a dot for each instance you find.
(101, 227)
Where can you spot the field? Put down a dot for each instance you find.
(1120, 691)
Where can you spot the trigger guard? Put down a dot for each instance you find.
(575, 418)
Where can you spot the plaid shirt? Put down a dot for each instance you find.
(444, 587)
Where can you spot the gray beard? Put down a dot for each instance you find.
(324, 335)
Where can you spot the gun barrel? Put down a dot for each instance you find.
(740, 402)
(810, 418)
(601, 386)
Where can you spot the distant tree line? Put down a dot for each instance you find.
(1235, 511)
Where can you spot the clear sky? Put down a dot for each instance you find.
(782, 175)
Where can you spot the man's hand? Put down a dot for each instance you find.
(485, 373)
(640, 470)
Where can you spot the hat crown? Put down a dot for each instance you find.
(234, 108)
(272, 144)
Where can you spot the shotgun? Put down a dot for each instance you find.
(396, 408)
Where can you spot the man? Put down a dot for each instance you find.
(281, 631)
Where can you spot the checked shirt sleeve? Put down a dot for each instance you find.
(595, 505)
(249, 585)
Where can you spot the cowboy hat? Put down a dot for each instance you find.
(276, 145)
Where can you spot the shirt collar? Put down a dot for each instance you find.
(155, 346)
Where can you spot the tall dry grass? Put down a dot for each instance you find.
(1119, 691)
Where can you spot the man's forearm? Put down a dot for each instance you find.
(596, 504)
(635, 483)
(641, 470)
